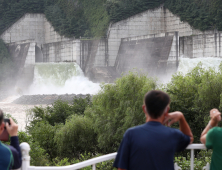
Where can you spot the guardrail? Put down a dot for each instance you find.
(25, 148)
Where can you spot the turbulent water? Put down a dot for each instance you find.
(187, 64)
(61, 78)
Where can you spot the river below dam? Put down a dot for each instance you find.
(17, 111)
(54, 79)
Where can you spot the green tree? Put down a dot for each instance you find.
(76, 137)
(38, 155)
(195, 94)
(117, 107)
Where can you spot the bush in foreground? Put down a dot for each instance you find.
(76, 137)
(117, 107)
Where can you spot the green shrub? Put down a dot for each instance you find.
(76, 137)
(38, 155)
(200, 161)
(79, 104)
(117, 107)
(44, 122)
(195, 94)
(59, 111)
(43, 133)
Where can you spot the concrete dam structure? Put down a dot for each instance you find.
(153, 42)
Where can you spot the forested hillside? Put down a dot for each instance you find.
(91, 18)
(72, 18)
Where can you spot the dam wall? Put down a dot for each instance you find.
(156, 21)
(32, 27)
(156, 54)
(61, 51)
(154, 36)
(23, 54)
(202, 45)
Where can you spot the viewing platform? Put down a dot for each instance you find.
(25, 148)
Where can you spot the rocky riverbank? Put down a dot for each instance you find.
(45, 99)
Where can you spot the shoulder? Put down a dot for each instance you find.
(13, 150)
(6, 147)
(134, 129)
(173, 131)
(177, 134)
(214, 130)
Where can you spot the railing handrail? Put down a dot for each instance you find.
(78, 165)
(196, 146)
(92, 161)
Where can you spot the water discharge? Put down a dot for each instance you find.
(187, 64)
(61, 78)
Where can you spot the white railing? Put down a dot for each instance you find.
(25, 148)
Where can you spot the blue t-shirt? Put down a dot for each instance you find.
(150, 146)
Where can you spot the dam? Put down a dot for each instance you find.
(154, 42)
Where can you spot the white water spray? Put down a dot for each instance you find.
(187, 64)
(61, 78)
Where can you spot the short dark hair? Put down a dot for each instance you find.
(1, 116)
(156, 101)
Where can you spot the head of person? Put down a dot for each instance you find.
(2, 124)
(156, 104)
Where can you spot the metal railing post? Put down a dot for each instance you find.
(192, 159)
(25, 148)
(94, 167)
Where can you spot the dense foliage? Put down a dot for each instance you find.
(86, 18)
(46, 125)
(122, 9)
(117, 107)
(76, 137)
(86, 128)
(195, 94)
(73, 18)
(200, 14)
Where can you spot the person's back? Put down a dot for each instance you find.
(212, 138)
(152, 145)
(216, 144)
(6, 157)
(154, 141)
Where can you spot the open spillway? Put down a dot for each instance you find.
(68, 78)
(187, 64)
(61, 78)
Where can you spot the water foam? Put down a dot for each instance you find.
(61, 78)
(187, 64)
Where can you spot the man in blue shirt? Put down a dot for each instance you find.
(152, 145)
(10, 157)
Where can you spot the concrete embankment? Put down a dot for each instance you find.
(45, 99)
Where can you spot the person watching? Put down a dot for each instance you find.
(212, 137)
(153, 145)
(10, 157)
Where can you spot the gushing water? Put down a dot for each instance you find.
(61, 78)
(187, 64)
